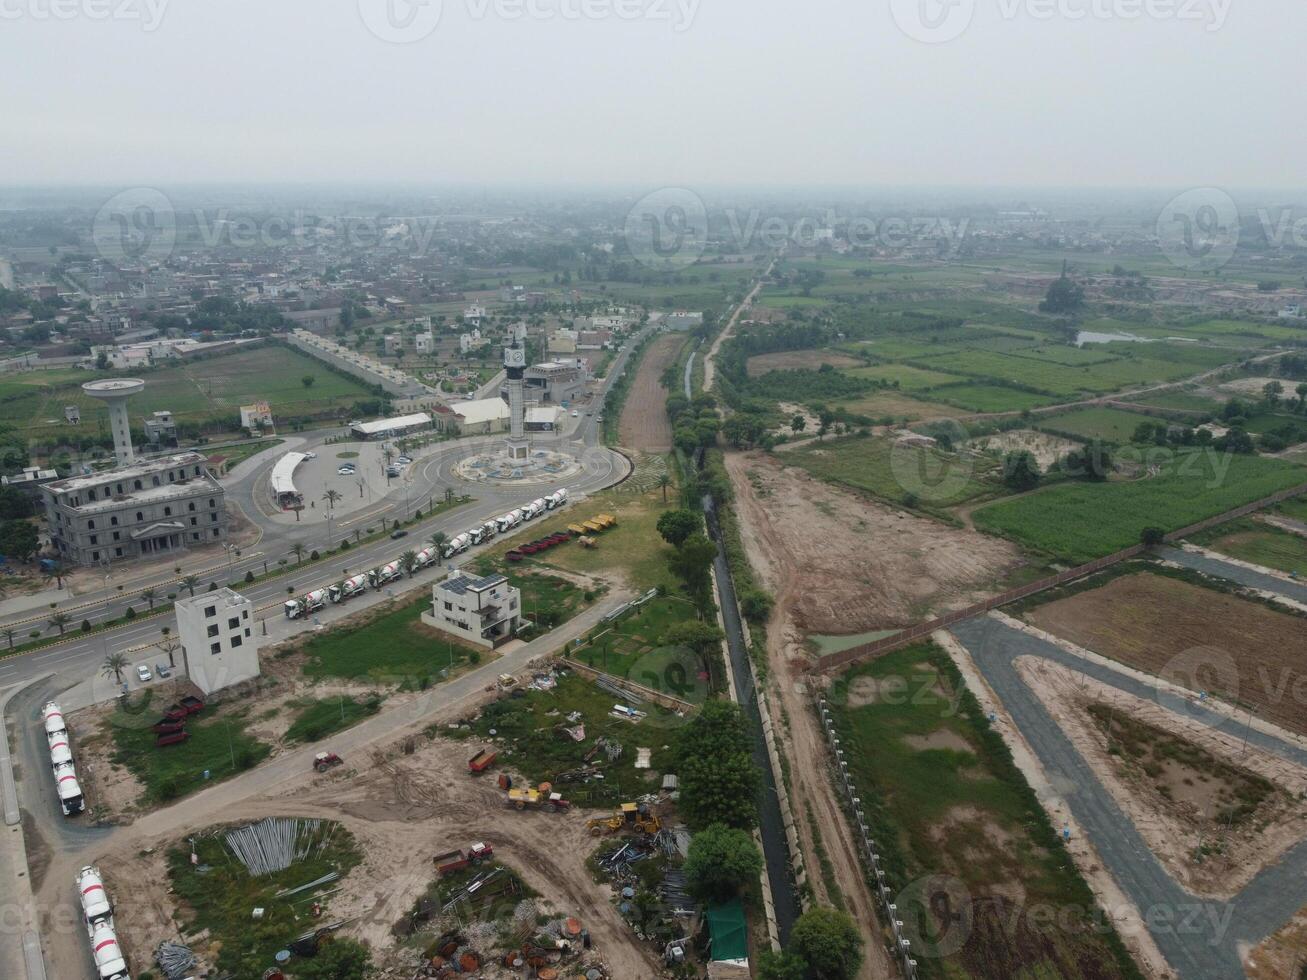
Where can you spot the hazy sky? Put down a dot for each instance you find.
(1028, 92)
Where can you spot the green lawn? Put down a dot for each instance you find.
(218, 745)
(635, 648)
(316, 718)
(1080, 521)
(943, 798)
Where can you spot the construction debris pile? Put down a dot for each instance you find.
(175, 960)
(655, 901)
(275, 843)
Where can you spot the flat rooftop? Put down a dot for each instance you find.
(145, 467)
(463, 584)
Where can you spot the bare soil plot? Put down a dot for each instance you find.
(790, 360)
(1232, 648)
(849, 565)
(1179, 781)
(644, 424)
(1047, 449)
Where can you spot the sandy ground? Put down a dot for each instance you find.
(1172, 827)
(402, 809)
(844, 564)
(644, 423)
(1252, 387)
(1122, 912)
(789, 409)
(1046, 449)
(1282, 954)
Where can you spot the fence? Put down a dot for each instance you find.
(647, 693)
(914, 633)
(902, 945)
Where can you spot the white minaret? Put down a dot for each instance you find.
(514, 367)
(114, 392)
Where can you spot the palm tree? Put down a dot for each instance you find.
(439, 539)
(9, 635)
(408, 561)
(190, 582)
(170, 646)
(297, 550)
(60, 620)
(149, 595)
(664, 481)
(362, 485)
(331, 496)
(114, 665)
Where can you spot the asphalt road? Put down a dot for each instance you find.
(1199, 937)
(1236, 573)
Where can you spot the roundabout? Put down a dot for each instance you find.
(539, 466)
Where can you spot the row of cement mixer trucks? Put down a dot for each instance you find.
(97, 916)
(393, 571)
(66, 786)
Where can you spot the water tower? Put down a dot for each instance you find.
(114, 392)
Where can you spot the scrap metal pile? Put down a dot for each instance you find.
(275, 843)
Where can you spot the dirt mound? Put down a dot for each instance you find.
(853, 565)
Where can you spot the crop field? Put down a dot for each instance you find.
(1080, 521)
(946, 804)
(192, 391)
(1199, 400)
(799, 359)
(892, 473)
(1110, 424)
(907, 377)
(991, 398)
(896, 406)
(1236, 649)
(1259, 543)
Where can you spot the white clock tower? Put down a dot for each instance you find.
(515, 367)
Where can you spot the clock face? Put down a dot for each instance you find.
(514, 358)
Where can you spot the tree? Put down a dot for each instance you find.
(798, 424)
(664, 481)
(408, 561)
(340, 959)
(756, 605)
(1151, 537)
(1064, 296)
(1272, 391)
(719, 782)
(1021, 471)
(692, 562)
(169, 646)
(721, 861)
(1237, 440)
(1301, 391)
(190, 582)
(19, 539)
(1143, 433)
(438, 539)
(59, 621)
(704, 639)
(307, 381)
(149, 595)
(828, 942)
(1093, 461)
(9, 635)
(331, 496)
(781, 966)
(14, 504)
(113, 666)
(298, 549)
(677, 525)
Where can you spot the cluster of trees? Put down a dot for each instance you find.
(694, 423)
(220, 314)
(824, 945)
(693, 554)
(719, 781)
(1064, 296)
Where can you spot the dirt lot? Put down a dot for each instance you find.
(401, 809)
(1175, 803)
(847, 565)
(644, 423)
(1233, 648)
(791, 360)
(1046, 449)
(1282, 954)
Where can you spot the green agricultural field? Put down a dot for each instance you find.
(1080, 521)
(1259, 543)
(1295, 508)
(1184, 400)
(194, 391)
(991, 398)
(893, 473)
(945, 803)
(1110, 424)
(908, 378)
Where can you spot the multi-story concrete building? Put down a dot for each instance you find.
(219, 644)
(556, 381)
(147, 508)
(486, 611)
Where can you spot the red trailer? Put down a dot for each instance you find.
(514, 556)
(482, 761)
(452, 861)
(172, 738)
(191, 704)
(165, 727)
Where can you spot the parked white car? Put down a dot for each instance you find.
(143, 674)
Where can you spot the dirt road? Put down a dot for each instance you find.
(644, 423)
(709, 360)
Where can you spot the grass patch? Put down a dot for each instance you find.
(1109, 424)
(943, 797)
(218, 745)
(991, 398)
(1081, 521)
(316, 718)
(635, 647)
(1259, 543)
(218, 893)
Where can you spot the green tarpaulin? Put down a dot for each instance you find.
(730, 939)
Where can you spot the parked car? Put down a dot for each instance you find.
(575, 414)
(345, 470)
(163, 670)
(401, 533)
(310, 455)
(355, 422)
(143, 674)
(404, 460)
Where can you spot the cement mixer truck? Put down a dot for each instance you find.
(54, 719)
(68, 789)
(556, 499)
(428, 556)
(309, 603)
(95, 900)
(60, 751)
(109, 962)
(349, 588)
(385, 574)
